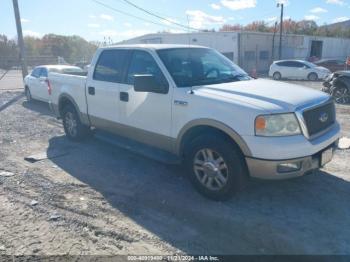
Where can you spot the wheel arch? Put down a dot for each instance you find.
(65, 100)
(195, 127)
(313, 73)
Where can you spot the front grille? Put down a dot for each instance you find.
(319, 118)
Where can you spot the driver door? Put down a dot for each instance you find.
(146, 116)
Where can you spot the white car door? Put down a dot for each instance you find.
(34, 83)
(103, 87)
(284, 69)
(42, 89)
(146, 114)
(300, 70)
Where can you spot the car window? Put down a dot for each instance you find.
(36, 72)
(283, 63)
(110, 66)
(298, 64)
(143, 63)
(43, 72)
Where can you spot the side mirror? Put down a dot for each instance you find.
(148, 83)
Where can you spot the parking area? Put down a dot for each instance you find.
(94, 198)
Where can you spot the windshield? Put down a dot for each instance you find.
(200, 66)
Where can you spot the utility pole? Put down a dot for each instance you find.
(273, 42)
(22, 54)
(281, 30)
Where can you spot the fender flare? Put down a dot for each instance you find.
(214, 124)
(82, 118)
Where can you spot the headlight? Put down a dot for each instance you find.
(277, 125)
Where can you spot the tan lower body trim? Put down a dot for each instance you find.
(160, 141)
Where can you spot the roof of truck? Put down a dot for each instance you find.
(153, 46)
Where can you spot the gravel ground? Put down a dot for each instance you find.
(93, 198)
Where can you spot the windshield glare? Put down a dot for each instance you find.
(200, 66)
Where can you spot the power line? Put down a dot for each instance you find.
(127, 14)
(160, 17)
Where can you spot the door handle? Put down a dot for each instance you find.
(124, 96)
(91, 90)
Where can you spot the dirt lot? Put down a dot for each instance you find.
(94, 198)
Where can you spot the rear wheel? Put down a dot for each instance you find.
(341, 94)
(312, 77)
(73, 127)
(216, 167)
(28, 94)
(277, 76)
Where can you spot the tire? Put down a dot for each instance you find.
(277, 76)
(28, 94)
(73, 127)
(215, 166)
(341, 94)
(312, 77)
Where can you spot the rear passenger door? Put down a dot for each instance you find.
(103, 87)
(283, 69)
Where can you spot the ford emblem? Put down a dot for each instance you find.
(323, 117)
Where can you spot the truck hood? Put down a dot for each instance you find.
(267, 95)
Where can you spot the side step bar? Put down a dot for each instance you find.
(137, 148)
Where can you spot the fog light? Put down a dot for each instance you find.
(289, 167)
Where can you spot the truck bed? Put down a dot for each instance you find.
(71, 85)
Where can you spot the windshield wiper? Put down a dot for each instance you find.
(233, 78)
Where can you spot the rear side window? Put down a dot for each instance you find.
(36, 72)
(110, 66)
(143, 63)
(290, 64)
(43, 72)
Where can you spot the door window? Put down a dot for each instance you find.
(110, 66)
(36, 72)
(43, 72)
(143, 63)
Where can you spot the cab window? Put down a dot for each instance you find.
(110, 66)
(143, 63)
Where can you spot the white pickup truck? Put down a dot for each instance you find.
(193, 102)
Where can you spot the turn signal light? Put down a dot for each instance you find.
(260, 123)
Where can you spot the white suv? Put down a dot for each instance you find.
(297, 69)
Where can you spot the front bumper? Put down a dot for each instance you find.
(268, 169)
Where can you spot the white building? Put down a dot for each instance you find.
(255, 50)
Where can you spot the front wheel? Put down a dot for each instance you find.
(73, 127)
(341, 95)
(216, 167)
(28, 94)
(312, 77)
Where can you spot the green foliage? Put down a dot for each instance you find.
(72, 48)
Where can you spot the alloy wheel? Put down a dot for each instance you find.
(210, 169)
(342, 95)
(71, 124)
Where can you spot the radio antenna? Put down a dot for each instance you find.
(189, 45)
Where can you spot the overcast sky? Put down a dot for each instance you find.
(94, 22)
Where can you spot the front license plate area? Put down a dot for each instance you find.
(326, 156)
